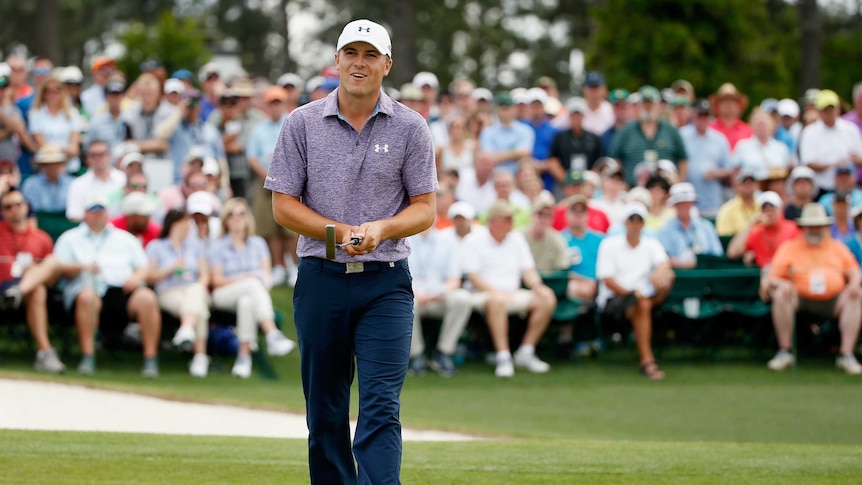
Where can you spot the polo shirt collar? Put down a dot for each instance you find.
(330, 105)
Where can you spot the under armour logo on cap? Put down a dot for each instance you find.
(366, 31)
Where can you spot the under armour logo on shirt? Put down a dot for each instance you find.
(270, 178)
(378, 148)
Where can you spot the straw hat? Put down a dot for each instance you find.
(729, 91)
(813, 215)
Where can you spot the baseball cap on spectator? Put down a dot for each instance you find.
(536, 95)
(200, 202)
(504, 99)
(425, 78)
(633, 209)
(546, 82)
(115, 87)
(649, 93)
(50, 153)
(122, 148)
(810, 96)
(788, 107)
(617, 95)
(365, 31)
(174, 86)
(543, 201)
(608, 167)
(275, 93)
(745, 174)
(463, 209)
(500, 208)
(594, 79)
(290, 79)
(553, 106)
(329, 84)
(845, 169)
(574, 177)
(769, 105)
(197, 152)
(682, 192)
(207, 71)
(635, 98)
(409, 92)
(482, 94)
(826, 98)
(183, 75)
(137, 204)
(4, 80)
(682, 85)
(576, 199)
(71, 75)
(211, 166)
(96, 202)
(130, 158)
(702, 107)
(801, 172)
(576, 105)
(592, 178)
(639, 195)
(150, 64)
(855, 213)
(770, 198)
(519, 95)
(102, 62)
(314, 83)
(667, 95)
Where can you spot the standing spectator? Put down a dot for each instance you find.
(111, 126)
(818, 275)
(845, 182)
(762, 237)
(649, 138)
(184, 129)
(735, 214)
(619, 99)
(101, 179)
(105, 270)
(573, 149)
(508, 140)
(18, 81)
(582, 250)
(48, 189)
(13, 129)
(212, 86)
(788, 116)
(599, 115)
(235, 133)
(683, 88)
(72, 77)
(93, 97)
(680, 114)
(687, 235)
(53, 120)
(145, 117)
(729, 104)
(504, 189)
(613, 190)
(137, 208)
(537, 119)
(546, 244)
(294, 87)
(445, 199)
(829, 142)
(635, 277)
(179, 271)
(710, 164)
(497, 262)
(761, 152)
(174, 91)
(855, 116)
(802, 190)
(241, 280)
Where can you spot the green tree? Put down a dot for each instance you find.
(176, 42)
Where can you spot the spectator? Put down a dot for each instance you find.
(583, 251)
(735, 214)
(18, 86)
(788, 116)
(179, 271)
(775, 181)
(574, 149)
(205, 224)
(829, 142)
(235, 120)
(619, 99)
(687, 235)
(497, 261)
(145, 117)
(174, 91)
(10, 177)
(211, 84)
(854, 242)
(855, 116)
(845, 181)
(576, 184)
(802, 192)
(111, 126)
(465, 103)
(779, 133)
(13, 128)
(175, 196)
(105, 270)
(649, 138)
(184, 129)
(48, 189)
(710, 165)
(762, 151)
(437, 293)
(537, 119)
(842, 221)
(137, 208)
(136, 181)
(241, 280)
(613, 190)
(508, 140)
(729, 104)
(599, 115)
(101, 178)
(459, 150)
(680, 114)
(27, 269)
(463, 223)
(546, 244)
(294, 87)
(53, 120)
(635, 277)
(504, 189)
(429, 86)
(475, 185)
(815, 274)
(658, 212)
(764, 234)
(529, 182)
(93, 97)
(683, 88)
(445, 199)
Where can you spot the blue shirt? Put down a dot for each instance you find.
(853, 243)
(165, 255)
(708, 152)
(432, 261)
(499, 139)
(57, 130)
(783, 135)
(544, 134)
(827, 199)
(262, 141)
(188, 135)
(607, 138)
(235, 262)
(107, 128)
(45, 196)
(583, 252)
(699, 238)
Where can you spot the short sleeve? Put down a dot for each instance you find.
(605, 262)
(288, 170)
(525, 256)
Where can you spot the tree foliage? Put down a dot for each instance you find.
(176, 42)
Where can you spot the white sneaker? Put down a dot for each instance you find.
(242, 367)
(848, 364)
(184, 337)
(47, 361)
(200, 365)
(531, 363)
(782, 360)
(277, 344)
(279, 275)
(505, 368)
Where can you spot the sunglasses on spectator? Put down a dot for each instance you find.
(229, 102)
(42, 71)
(97, 154)
(137, 186)
(12, 205)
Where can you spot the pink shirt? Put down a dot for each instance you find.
(739, 130)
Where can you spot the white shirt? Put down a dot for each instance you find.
(501, 265)
(630, 267)
(753, 155)
(433, 261)
(831, 146)
(600, 120)
(469, 190)
(86, 186)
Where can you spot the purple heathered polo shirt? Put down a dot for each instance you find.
(354, 177)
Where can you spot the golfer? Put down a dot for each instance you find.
(362, 161)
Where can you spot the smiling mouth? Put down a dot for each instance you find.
(357, 75)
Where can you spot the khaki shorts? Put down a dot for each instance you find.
(516, 303)
(262, 210)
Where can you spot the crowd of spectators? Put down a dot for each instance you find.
(617, 188)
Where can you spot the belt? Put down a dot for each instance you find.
(354, 267)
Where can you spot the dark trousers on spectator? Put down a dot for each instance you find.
(346, 323)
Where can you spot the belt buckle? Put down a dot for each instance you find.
(355, 267)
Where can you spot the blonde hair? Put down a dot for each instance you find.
(229, 206)
(65, 106)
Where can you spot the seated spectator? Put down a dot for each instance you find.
(497, 261)
(529, 181)
(52, 119)
(437, 293)
(144, 118)
(475, 185)
(802, 190)
(101, 179)
(463, 223)
(583, 250)
(205, 224)
(854, 242)
(764, 234)
(761, 152)
(135, 182)
(137, 209)
(710, 164)
(445, 199)
(27, 269)
(179, 271)
(185, 128)
(10, 176)
(459, 150)
(845, 182)
(815, 274)
(104, 270)
(776, 181)
(729, 104)
(613, 190)
(241, 278)
(176, 196)
(504, 188)
(48, 190)
(576, 184)
(658, 212)
(635, 277)
(735, 214)
(842, 221)
(546, 244)
(687, 235)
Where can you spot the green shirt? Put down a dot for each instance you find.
(630, 146)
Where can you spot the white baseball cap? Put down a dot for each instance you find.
(788, 107)
(634, 209)
(290, 79)
(463, 209)
(365, 31)
(576, 105)
(801, 172)
(137, 204)
(682, 192)
(131, 158)
(174, 86)
(536, 95)
(200, 202)
(770, 197)
(483, 94)
(426, 78)
(211, 166)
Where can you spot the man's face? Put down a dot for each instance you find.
(803, 188)
(814, 235)
(196, 182)
(114, 100)
(361, 69)
(701, 121)
(576, 217)
(845, 181)
(136, 183)
(19, 71)
(137, 223)
(746, 187)
(461, 224)
(728, 108)
(683, 209)
(506, 114)
(53, 170)
(14, 207)
(96, 219)
(536, 111)
(829, 114)
(543, 217)
(770, 214)
(97, 156)
(787, 121)
(761, 125)
(500, 226)
(274, 109)
(840, 208)
(595, 94)
(577, 120)
(634, 225)
(649, 111)
(503, 185)
(174, 97)
(622, 111)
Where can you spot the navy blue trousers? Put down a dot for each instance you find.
(346, 323)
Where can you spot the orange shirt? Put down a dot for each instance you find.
(817, 272)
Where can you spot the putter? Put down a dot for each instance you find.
(331, 244)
